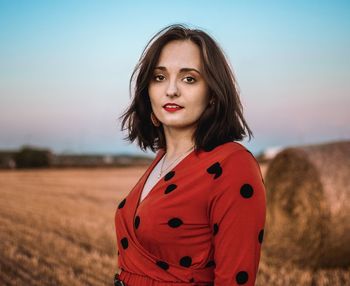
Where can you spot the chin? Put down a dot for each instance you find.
(180, 125)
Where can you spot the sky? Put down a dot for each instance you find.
(65, 68)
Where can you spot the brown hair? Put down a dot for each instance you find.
(219, 123)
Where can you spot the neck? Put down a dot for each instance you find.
(171, 162)
(177, 142)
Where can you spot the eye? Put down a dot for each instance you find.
(158, 77)
(190, 79)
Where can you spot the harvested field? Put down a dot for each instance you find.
(57, 228)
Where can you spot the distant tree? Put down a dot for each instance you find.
(31, 157)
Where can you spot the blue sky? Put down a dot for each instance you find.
(65, 68)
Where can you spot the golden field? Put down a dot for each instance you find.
(57, 228)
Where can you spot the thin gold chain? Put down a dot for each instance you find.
(161, 168)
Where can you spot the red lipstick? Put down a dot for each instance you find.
(172, 107)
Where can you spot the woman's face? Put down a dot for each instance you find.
(177, 79)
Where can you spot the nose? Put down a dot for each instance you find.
(172, 89)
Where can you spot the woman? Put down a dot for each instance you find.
(197, 215)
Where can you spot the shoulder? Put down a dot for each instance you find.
(234, 166)
(228, 150)
(234, 158)
(239, 157)
(226, 159)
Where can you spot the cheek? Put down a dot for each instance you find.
(198, 106)
(152, 93)
(203, 99)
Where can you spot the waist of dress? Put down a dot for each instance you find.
(133, 279)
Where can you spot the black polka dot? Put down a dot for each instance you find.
(215, 169)
(210, 263)
(118, 252)
(186, 261)
(170, 188)
(137, 221)
(163, 265)
(191, 280)
(261, 236)
(169, 175)
(242, 277)
(175, 222)
(124, 242)
(215, 228)
(122, 203)
(246, 191)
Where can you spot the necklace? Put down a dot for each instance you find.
(161, 168)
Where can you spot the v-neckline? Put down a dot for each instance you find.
(149, 171)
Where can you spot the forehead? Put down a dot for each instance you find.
(177, 54)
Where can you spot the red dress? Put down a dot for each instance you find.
(201, 224)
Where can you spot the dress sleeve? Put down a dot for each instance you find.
(237, 211)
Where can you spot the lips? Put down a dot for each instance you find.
(172, 105)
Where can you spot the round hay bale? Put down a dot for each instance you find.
(308, 205)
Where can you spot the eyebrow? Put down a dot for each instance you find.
(181, 70)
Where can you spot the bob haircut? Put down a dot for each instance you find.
(219, 123)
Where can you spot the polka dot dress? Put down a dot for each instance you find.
(201, 224)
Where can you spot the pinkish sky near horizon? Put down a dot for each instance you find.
(65, 68)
